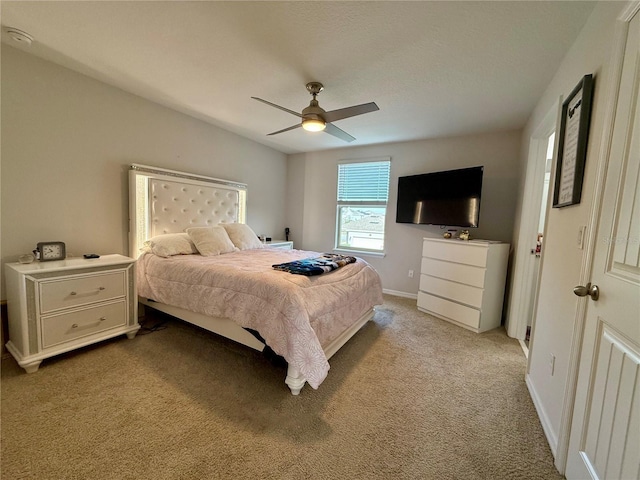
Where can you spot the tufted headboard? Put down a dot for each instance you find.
(168, 201)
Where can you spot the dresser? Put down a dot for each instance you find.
(58, 306)
(463, 282)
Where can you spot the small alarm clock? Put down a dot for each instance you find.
(52, 251)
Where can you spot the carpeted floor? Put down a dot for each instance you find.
(409, 397)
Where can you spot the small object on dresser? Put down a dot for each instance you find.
(464, 235)
(91, 255)
(26, 258)
(51, 251)
(447, 235)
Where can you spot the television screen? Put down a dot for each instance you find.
(449, 198)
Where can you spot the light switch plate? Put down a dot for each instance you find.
(581, 234)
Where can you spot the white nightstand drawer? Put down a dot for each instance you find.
(455, 291)
(80, 323)
(281, 244)
(456, 272)
(456, 251)
(462, 314)
(84, 290)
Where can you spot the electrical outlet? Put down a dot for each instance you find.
(552, 363)
(410, 273)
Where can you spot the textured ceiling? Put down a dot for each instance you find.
(434, 68)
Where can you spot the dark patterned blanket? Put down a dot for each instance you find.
(327, 262)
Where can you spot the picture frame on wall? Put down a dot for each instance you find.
(572, 144)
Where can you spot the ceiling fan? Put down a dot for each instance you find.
(316, 119)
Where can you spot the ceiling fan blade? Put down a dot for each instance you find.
(285, 129)
(278, 107)
(331, 129)
(347, 112)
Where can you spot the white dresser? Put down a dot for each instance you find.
(62, 305)
(463, 282)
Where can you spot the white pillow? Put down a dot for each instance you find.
(211, 241)
(170, 244)
(242, 236)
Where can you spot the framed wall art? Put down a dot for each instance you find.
(572, 144)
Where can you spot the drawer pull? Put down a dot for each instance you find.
(99, 289)
(102, 319)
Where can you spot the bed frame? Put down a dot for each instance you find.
(168, 201)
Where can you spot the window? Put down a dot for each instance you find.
(363, 190)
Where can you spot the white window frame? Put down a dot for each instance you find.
(361, 204)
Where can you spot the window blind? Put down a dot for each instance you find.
(364, 182)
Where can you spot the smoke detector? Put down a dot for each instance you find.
(19, 36)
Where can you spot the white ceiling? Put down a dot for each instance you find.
(434, 68)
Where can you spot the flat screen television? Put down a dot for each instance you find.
(448, 198)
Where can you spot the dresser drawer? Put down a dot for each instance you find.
(455, 291)
(460, 313)
(456, 272)
(81, 323)
(73, 292)
(456, 251)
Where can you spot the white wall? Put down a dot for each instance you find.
(562, 260)
(312, 216)
(67, 141)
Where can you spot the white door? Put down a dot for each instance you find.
(605, 430)
(537, 242)
(526, 268)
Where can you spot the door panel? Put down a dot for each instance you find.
(605, 432)
(615, 403)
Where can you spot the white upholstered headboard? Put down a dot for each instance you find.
(168, 201)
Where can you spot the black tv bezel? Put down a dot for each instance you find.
(450, 177)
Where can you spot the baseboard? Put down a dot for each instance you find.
(525, 348)
(396, 293)
(552, 440)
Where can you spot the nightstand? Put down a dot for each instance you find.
(58, 306)
(283, 244)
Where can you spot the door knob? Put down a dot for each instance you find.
(592, 290)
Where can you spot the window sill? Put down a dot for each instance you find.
(360, 252)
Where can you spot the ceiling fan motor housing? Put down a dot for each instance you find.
(313, 111)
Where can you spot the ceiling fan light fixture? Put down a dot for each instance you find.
(313, 125)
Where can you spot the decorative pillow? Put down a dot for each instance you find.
(211, 241)
(170, 244)
(242, 236)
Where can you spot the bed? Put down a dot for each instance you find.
(233, 291)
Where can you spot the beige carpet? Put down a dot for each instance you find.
(409, 397)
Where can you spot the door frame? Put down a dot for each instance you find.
(521, 299)
(614, 78)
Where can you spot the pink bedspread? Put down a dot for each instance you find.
(296, 315)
